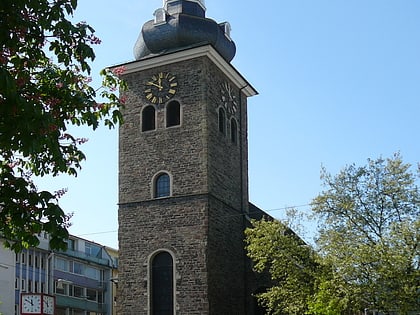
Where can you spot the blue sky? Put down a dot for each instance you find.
(338, 83)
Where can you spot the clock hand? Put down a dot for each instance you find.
(160, 84)
(160, 87)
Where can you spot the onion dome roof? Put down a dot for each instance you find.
(181, 24)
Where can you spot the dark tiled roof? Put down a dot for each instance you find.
(180, 30)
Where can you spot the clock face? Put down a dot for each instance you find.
(161, 87)
(48, 304)
(31, 304)
(229, 98)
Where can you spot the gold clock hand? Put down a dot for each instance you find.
(160, 84)
(160, 87)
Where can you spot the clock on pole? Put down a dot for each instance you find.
(37, 304)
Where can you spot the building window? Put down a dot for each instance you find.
(222, 120)
(148, 119)
(61, 288)
(233, 130)
(92, 250)
(173, 114)
(78, 268)
(92, 273)
(71, 244)
(91, 295)
(62, 264)
(162, 284)
(162, 187)
(78, 292)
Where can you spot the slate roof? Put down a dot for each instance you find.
(184, 24)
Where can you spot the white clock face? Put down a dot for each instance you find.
(48, 305)
(31, 304)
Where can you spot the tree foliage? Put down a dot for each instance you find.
(370, 233)
(276, 249)
(367, 256)
(44, 89)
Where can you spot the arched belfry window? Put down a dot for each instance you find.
(162, 284)
(148, 120)
(162, 186)
(222, 120)
(233, 130)
(173, 114)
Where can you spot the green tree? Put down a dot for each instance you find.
(370, 223)
(329, 296)
(44, 89)
(276, 249)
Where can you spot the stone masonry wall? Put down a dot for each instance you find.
(181, 150)
(226, 260)
(179, 223)
(175, 224)
(202, 222)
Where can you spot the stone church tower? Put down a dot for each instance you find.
(183, 170)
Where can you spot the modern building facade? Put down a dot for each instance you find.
(7, 280)
(82, 279)
(79, 278)
(183, 170)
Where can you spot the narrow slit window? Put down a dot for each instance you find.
(233, 131)
(222, 120)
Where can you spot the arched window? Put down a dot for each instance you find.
(162, 284)
(148, 121)
(233, 130)
(162, 186)
(173, 114)
(222, 120)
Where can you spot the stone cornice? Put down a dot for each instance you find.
(190, 53)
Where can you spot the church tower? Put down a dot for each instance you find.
(183, 171)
